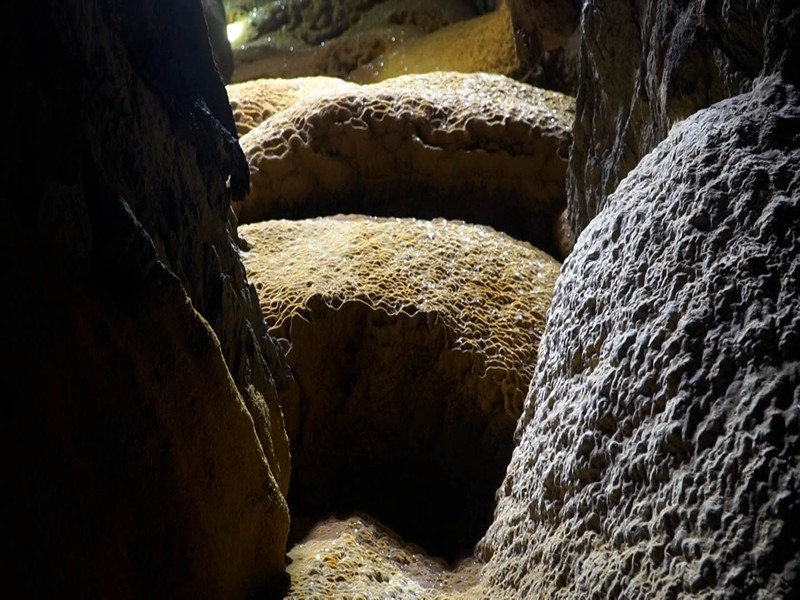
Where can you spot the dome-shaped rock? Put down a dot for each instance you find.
(659, 452)
(412, 343)
(476, 147)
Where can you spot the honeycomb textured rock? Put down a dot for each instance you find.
(659, 451)
(412, 343)
(476, 147)
(490, 291)
(253, 102)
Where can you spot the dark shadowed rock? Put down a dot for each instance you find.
(214, 11)
(146, 448)
(541, 26)
(659, 452)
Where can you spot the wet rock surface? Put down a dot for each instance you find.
(357, 33)
(483, 44)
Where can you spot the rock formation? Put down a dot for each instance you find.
(367, 41)
(482, 148)
(146, 446)
(340, 42)
(253, 102)
(659, 452)
(413, 344)
(216, 23)
(541, 26)
(357, 557)
(483, 44)
(646, 65)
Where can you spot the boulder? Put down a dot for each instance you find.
(659, 450)
(412, 344)
(482, 148)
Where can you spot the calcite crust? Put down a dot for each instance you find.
(477, 147)
(412, 344)
(489, 290)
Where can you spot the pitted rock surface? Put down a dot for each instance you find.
(357, 557)
(648, 64)
(253, 102)
(659, 452)
(412, 343)
(477, 147)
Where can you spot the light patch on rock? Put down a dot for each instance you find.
(357, 557)
(481, 44)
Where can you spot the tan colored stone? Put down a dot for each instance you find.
(286, 52)
(357, 557)
(490, 291)
(412, 343)
(478, 147)
(481, 44)
(256, 100)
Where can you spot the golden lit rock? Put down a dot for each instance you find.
(255, 101)
(481, 44)
(482, 148)
(412, 343)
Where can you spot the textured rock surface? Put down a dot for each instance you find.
(373, 31)
(659, 452)
(253, 102)
(541, 26)
(412, 343)
(483, 44)
(144, 434)
(647, 64)
(308, 21)
(482, 148)
(358, 558)
(538, 44)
